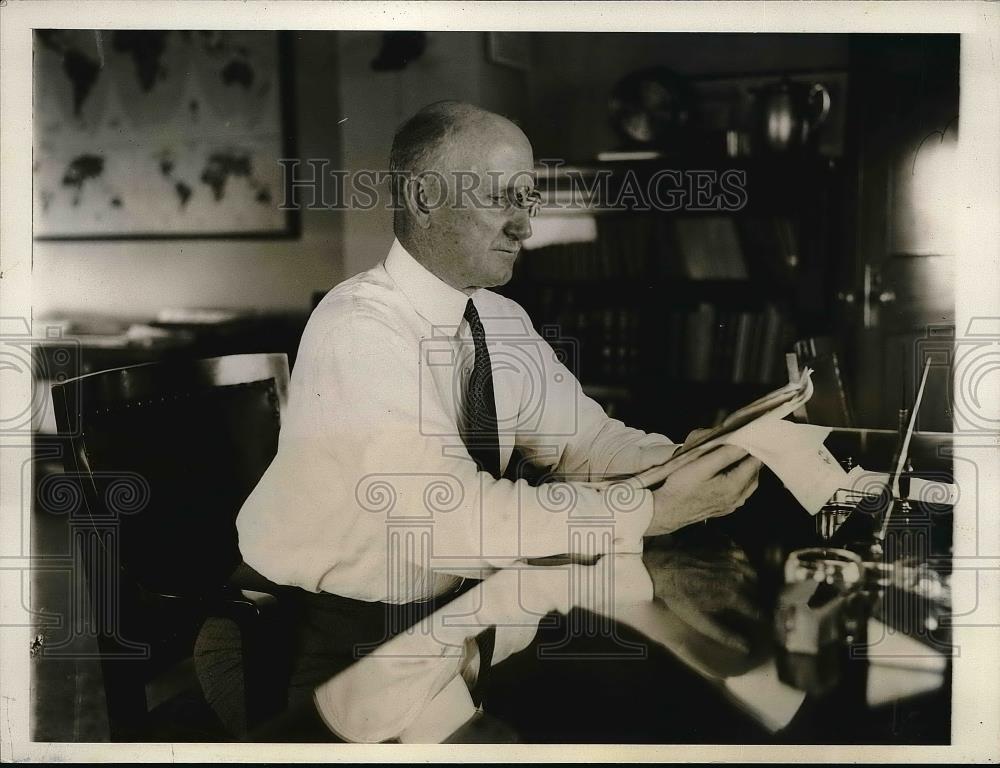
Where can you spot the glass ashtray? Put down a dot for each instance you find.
(836, 567)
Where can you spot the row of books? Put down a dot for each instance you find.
(705, 343)
(620, 249)
(701, 247)
(607, 342)
(713, 343)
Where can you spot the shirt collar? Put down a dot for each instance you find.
(433, 299)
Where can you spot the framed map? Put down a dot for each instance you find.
(160, 134)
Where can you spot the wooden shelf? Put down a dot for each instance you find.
(787, 165)
(778, 183)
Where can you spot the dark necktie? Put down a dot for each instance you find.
(482, 440)
(480, 423)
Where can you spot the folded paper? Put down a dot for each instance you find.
(771, 408)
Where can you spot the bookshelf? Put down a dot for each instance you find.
(678, 316)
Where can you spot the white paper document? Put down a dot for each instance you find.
(794, 452)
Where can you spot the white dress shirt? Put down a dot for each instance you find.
(372, 494)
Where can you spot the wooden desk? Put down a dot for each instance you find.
(655, 679)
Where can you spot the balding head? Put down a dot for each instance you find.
(454, 166)
(444, 133)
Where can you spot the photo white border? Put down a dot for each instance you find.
(976, 682)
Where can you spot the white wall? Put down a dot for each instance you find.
(137, 278)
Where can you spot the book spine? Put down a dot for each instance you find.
(770, 346)
(699, 342)
(742, 352)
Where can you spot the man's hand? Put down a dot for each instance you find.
(712, 590)
(694, 434)
(712, 485)
(654, 455)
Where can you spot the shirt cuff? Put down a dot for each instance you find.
(625, 461)
(632, 582)
(631, 526)
(471, 662)
(448, 711)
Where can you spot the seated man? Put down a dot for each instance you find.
(413, 385)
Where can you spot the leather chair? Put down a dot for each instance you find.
(165, 454)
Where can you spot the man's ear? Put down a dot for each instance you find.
(415, 200)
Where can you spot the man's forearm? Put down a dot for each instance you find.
(508, 522)
(611, 450)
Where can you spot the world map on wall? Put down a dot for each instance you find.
(156, 132)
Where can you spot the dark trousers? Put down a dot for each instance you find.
(332, 632)
(325, 634)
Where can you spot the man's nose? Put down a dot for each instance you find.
(519, 226)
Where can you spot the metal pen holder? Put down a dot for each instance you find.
(843, 503)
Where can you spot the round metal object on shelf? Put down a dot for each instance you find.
(650, 107)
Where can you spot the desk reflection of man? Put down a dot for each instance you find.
(656, 677)
(365, 403)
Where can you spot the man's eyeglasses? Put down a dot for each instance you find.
(528, 199)
(521, 198)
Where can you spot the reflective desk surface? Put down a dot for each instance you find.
(711, 664)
